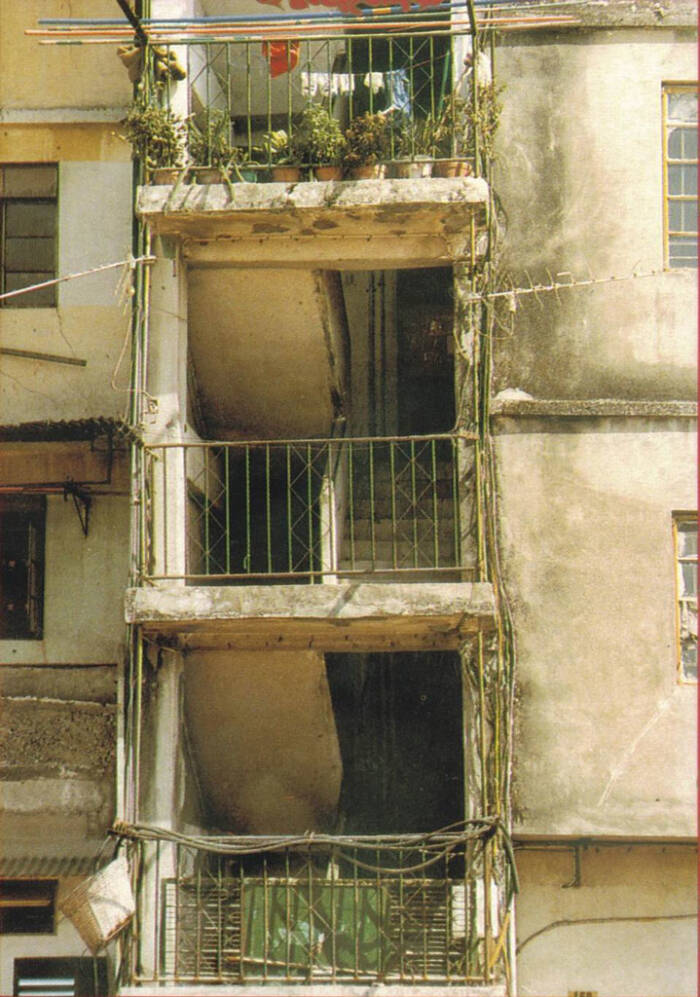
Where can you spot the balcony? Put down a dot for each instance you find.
(242, 91)
(320, 909)
(336, 544)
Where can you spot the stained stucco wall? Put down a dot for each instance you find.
(611, 958)
(89, 323)
(605, 729)
(580, 182)
(83, 587)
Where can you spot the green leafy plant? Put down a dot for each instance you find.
(209, 142)
(318, 139)
(451, 130)
(368, 140)
(156, 135)
(277, 149)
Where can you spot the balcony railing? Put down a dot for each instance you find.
(242, 89)
(392, 909)
(305, 510)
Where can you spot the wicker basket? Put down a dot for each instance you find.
(102, 905)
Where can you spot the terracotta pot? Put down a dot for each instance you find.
(414, 169)
(208, 174)
(375, 171)
(328, 172)
(452, 168)
(165, 175)
(286, 174)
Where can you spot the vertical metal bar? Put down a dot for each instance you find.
(289, 92)
(351, 88)
(245, 942)
(156, 915)
(312, 932)
(178, 912)
(402, 918)
(413, 503)
(309, 510)
(436, 529)
(456, 501)
(333, 564)
(334, 928)
(268, 511)
(207, 513)
(266, 918)
(447, 898)
(199, 917)
(227, 510)
(371, 503)
(220, 916)
(290, 531)
(355, 913)
(424, 922)
(392, 480)
(249, 100)
(288, 916)
(370, 62)
(351, 504)
(248, 551)
(164, 507)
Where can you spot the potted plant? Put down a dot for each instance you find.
(412, 148)
(210, 147)
(277, 151)
(452, 131)
(157, 137)
(367, 144)
(319, 142)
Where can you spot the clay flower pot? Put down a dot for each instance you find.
(286, 174)
(373, 171)
(452, 168)
(414, 169)
(328, 172)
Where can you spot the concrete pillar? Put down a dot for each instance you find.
(166, 421)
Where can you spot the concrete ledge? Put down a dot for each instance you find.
(358, 224)
(318, 990)
(347, 616)
(593, 407)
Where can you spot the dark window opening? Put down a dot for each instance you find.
(27, 906)
(22, 526)
(60, 977)
(28, 225)
(399, 722)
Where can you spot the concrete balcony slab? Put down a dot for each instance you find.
(341, 225)
(349, 616)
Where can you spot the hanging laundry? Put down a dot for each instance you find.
(326, 84)
(282, 56)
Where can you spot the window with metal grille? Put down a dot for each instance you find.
(685, 529)
(680, 111)
(27, 906)
(28, 219)
(60, 977)
(22, 526)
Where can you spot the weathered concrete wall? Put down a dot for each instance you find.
(605, 730)
(60, 77)
(83, 587)
(611, 958)
(57, 760)
(89, 323)
(264, 737)
(580, 181)
(270, 350)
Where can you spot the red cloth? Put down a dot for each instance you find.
(352, 6)
(282, 56)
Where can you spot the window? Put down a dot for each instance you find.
(28, 213)
(22, 520)
(685, 528)
(680, 108)
(60, 977)
(27, 906)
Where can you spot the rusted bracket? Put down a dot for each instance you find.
(81, 501)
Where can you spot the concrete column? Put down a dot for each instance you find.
(166, 422)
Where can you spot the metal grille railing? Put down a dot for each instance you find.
(250, 87)
(361, 909)
(304, 509)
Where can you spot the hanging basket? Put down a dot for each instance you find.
(102, 905)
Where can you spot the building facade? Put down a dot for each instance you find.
(348, 527)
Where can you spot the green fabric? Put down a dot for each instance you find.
(304, 925)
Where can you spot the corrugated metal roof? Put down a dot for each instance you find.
(48, 865)
(59, 430)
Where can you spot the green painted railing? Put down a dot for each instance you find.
(354, 909)
(305, 510)
(241, 90)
